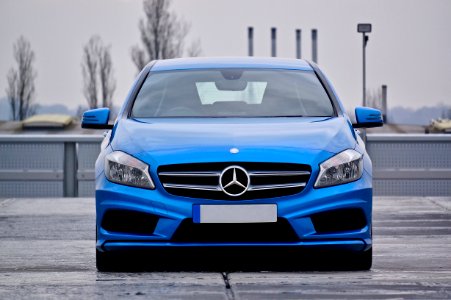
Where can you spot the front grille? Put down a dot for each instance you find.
(280, 231)
(267, 180)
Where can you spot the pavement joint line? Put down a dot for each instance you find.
(229, 290)
(225, 277)
(437, 204)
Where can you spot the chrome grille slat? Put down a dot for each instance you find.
(218, 189)
(193, 187)
(190, 174)
(278, 173)
(275, 186)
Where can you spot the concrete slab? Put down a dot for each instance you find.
(47, 206)
(47, 251)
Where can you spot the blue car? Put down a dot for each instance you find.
(233, 152)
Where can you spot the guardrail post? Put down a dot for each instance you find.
(70, 184)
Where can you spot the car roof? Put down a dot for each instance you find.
(230, 62)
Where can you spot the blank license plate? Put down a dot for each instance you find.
(252, 213)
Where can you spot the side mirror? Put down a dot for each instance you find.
(96, 119)
(367, 117)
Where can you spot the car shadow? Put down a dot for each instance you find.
(213, 259)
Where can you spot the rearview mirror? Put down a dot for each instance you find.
(367, 117)
(231, 85)
(96, 119)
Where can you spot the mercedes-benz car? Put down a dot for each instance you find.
(233, 152)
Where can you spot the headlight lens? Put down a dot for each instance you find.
(344, 167)
(125, 169)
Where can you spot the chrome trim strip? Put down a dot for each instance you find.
(279, 173)
(275, 186)
(190, 174)
(217, 188)
(192, 187)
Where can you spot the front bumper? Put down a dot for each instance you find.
(296, 209)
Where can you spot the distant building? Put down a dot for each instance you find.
(45, 124)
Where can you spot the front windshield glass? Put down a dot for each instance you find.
(232, 93)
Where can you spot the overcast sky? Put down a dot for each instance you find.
(409, 48)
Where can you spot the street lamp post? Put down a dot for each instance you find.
(364, 28)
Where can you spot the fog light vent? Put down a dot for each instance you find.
(127, 221)
(339, 220)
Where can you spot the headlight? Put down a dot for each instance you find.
(344, 167)
(125, 169)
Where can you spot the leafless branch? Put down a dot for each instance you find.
(195, 49)
(89, 67)
(374, 98)
(162, 34)
(97, 70)
(107, 80)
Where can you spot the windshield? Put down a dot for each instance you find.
(232, 93)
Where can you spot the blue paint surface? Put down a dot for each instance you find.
(196, 213)
(163, 141)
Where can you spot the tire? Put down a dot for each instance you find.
(104, 261)
(361, 261)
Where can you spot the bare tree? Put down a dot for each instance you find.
(162, 34)
(374, 98)
(97, 70)
(107, 81)
(20, 90)
(195, 49)
(89, 66)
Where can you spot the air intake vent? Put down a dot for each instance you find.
(280, 231)
(265, 180)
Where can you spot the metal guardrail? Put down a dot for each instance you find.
(411, 164)
(63, 165)
(48, 165)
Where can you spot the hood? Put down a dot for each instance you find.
(183, 140)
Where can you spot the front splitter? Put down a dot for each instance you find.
(350, 245)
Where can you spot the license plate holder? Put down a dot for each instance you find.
(238, 213)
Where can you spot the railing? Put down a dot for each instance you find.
(48, 165)
(63, 165)
(411, 164)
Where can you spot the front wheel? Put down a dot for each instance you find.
(104, 261)
(361, 261)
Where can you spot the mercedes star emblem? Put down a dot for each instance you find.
(234, 181)
(234, 150)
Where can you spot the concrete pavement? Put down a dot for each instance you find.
(47, 251)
